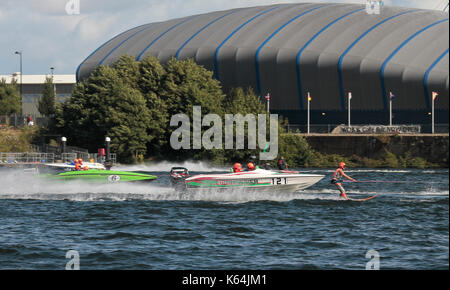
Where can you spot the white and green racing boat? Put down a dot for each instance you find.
(259, 179)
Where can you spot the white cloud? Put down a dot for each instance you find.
(50, 37)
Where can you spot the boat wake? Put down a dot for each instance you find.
(15, 184)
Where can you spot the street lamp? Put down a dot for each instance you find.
(21, 73)
(108, 163)
(63, 148)
(54, 86)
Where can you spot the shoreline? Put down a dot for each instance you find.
(395, 151)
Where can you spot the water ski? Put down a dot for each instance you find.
(362, 199)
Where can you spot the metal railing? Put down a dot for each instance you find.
(18, 121)
(328, 128)
(300, 128)
(87, 157)
(30, 157)
(26, 157)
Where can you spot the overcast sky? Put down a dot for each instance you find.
(49, 36)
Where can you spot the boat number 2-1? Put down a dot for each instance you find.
(279, 180)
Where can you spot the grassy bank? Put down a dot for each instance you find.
(17, 140)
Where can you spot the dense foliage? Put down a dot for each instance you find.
(10, 99)
(47, 102)
(132, 102)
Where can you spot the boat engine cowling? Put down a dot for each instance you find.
(178, 176)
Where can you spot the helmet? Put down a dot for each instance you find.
(85, 168)
(342, 165)
(250, 165)
(237, 165)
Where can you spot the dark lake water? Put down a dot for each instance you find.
(130, 226)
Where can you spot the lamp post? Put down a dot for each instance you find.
(21, 73)
(63, 149)
(108, 164)
(268, 102)
(54, 86)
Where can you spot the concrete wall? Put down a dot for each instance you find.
(433, 148)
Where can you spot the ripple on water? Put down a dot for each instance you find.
(148, 229)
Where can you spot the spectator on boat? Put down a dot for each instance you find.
(237, 167)
(282, 164)
(337, 179)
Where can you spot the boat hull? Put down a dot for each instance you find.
(276, 182)
(100, 176)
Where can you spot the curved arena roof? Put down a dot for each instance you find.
(326, 49)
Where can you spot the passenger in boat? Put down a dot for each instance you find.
(337, 179)
(282, 164)
(250, 166)
(77, 167)
(85, 168)
(237, 167)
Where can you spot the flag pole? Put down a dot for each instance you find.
(433, 98)
(390, 112)
(268, 102)
(432, 114)
(349, 98)
(309, 108)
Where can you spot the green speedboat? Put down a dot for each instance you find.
(96, 175)
(99, 176)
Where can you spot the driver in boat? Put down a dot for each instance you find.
(237, 167)
(337, 179)
(250, 167)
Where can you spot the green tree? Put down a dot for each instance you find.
(152, 74)
(47, 102)
(10, 99)
(188, 84)
(295, 150)
(128, 70)
(104, 105)
(128, 124)
(242, 101)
